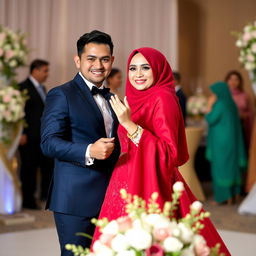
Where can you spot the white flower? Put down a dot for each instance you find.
(249, 66)
(119, 243)
(157, 221)
(239, 43)
(102, 250)
(13, 63)
(186, 234)
(111, 228)
(139, 238)
(178, 186)
(196, 206)
(172, 244)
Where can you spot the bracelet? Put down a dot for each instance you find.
(131, 135)
(135, 137)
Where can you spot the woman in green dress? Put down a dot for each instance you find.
(225, 147)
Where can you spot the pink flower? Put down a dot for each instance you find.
(201, 249)
(246, 36)
(124, 223)
(160, 233)
(6, 98)
(106, 239)
(9, 54)
(1, 52)
(155, 250)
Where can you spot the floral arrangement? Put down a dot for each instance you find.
(247, 43)
(197, 104)
(148, 231)
(12, 103)
(13, 51)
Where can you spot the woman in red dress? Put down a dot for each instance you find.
(152, 138)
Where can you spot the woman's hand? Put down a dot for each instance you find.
(123, 113)
(211, 100)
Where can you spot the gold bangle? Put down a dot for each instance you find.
(132, 135)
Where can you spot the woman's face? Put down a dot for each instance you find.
(115, 81)
(140, 73)
(233, 81)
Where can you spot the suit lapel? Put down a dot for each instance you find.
(86, 94)
(115, 120)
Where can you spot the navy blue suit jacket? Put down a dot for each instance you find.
(70, 122)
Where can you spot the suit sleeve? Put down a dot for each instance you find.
(55, 128)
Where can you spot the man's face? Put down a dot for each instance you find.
(41, 74)
(95, 63)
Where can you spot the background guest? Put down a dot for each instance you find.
(243, 102)
(225, 147)
(114, 81)
(179, 92)
(30, 152)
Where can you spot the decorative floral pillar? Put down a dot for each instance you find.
(13, 52)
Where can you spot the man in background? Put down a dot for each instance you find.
(30, 152)
(180, 94)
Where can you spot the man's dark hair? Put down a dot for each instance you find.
(96, 37)
(176, 76)
(38, 64)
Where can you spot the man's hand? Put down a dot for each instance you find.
(23, 139)
(102, 148)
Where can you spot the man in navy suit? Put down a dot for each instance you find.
(79, 131)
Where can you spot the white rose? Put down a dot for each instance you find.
(178, 186)
(247, 28)
(119, 243)
(249, 66)
(102, 250)
(157, 221)
(239, 43)
(172, 244)
(13, 63)
(138, 238)
(186, 234)
(111, 228)
(196, 206)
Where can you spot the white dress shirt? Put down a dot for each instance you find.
(106, 113)
(37, 87)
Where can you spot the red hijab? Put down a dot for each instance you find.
(162, 73)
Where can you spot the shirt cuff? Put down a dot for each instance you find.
(88, 159)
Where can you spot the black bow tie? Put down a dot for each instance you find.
(104, 92)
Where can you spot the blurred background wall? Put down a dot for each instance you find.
(53, 27)
(207, 49)
(195, 35)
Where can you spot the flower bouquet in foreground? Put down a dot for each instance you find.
(149, 231)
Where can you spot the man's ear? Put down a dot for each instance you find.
(77, 61)
(112, 59)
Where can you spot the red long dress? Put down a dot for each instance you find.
(153, 165)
